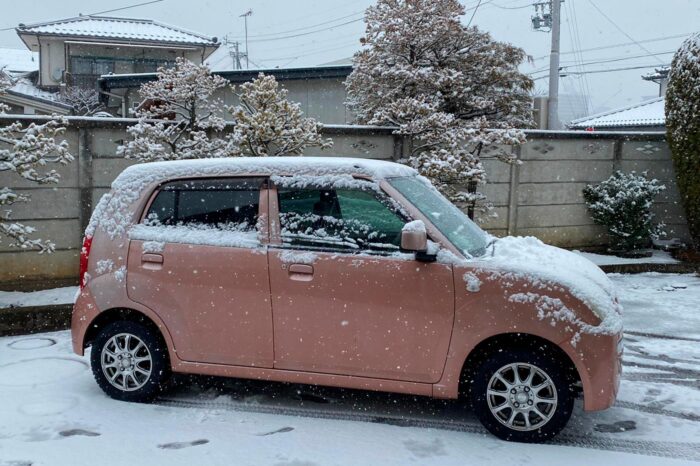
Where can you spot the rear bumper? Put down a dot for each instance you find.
(84, 312)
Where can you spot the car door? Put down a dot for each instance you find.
(198, 260)
(345, 300)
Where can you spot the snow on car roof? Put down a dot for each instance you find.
(146, 173)
(114, 215)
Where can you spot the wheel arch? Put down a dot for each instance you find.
(512, 341)
(109, 316)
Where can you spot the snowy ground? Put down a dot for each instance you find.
(63, 295)
(52, 412)
(657, 257)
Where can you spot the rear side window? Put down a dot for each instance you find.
(224, 203)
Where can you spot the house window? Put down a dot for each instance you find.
(86, 70)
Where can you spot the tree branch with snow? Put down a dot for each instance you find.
(178, 117)
(25, 151)
(84, 102)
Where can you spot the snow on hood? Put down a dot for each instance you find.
(547, 266)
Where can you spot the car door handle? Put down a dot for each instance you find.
(304, 269)
(152, 258)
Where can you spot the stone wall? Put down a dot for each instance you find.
(540, 197)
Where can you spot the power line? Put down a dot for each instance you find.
(619, 28)
(610, 70)
(606, 70)
(125, 7)
(622, 44)
(103, 12)
(529, 5)
(474, 13)
(307, 33)
(597, 62)
(273, 34)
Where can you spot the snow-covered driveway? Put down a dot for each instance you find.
(52, 412)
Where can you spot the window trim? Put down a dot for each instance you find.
(262, 227)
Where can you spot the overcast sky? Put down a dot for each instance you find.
(643, 21)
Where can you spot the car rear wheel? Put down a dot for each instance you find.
(129, 361)
(522, 395)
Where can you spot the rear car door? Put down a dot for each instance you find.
(345, 300)
(198, 260)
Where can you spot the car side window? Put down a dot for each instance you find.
(230, 204)
(346, 219)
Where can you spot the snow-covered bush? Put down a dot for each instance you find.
(450, 89)
(683, 123)
(622, 204)
(267, 124)
(25, 151)
(178, 118)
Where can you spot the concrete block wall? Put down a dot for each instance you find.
(540, 197)
(545, 192)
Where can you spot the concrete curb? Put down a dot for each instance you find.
(34, 319)
(681, 267)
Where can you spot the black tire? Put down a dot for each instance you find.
(501, 361)
(140, 388)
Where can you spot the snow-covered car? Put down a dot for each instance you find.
(341, 272)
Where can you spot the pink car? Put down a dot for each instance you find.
(342, 272)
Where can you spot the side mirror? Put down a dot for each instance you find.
(414, 238)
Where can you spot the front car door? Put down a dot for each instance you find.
(345, 300)
(198, 260)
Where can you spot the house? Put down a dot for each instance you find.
(647, 115)
(22, 65)
(644, 116)
(75, 52)
(319, 90)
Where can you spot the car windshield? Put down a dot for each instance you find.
(459, 229)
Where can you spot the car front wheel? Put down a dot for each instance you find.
(522, 396)
(129, 361)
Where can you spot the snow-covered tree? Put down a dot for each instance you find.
(179, 117)
(622, 204)
(450, 89)
(25, 152)
(683, 123)
(267, 124)
(85, 102)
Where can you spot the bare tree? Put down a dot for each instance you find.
(84, 102)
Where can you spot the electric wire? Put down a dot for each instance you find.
(619, 28)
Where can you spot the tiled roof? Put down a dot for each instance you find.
(647, 113)
(105, 27)
(18, 60)
(24, 87)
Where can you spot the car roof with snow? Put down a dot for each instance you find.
(147, 173)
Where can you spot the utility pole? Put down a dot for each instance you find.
(547, 18)
(553, 101)
(245, 18)
(234, 52)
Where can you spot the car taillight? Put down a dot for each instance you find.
(84, 255)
